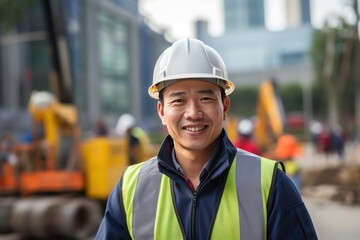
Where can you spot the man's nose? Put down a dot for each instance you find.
(194, 111)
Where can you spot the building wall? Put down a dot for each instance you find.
(243, 14)
(254, 55)
(297, 12)
(292, 13)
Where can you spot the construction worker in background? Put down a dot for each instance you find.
(286, 150)
(139, 142)
(101, 128)
(200, 186)
(244, 140)
(7, 154)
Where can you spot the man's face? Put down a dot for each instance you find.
(193, 113)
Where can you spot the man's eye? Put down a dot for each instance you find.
(206, 99)
(178, 101)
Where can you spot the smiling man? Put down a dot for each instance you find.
(200, 186)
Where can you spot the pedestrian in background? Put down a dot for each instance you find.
(138, 140)
(287, 150)
(200, 186)
(244, 140)
(101, 128)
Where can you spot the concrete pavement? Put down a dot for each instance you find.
(334, 221)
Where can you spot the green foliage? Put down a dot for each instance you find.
(243, 101)
(292, 97)
(333, 57)
(12, 11)
(317, 52)
(319, 104)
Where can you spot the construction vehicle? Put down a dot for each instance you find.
(269, 121)
(270, 116)
(60, 183)
(269, 132)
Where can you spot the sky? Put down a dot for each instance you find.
(178, 16)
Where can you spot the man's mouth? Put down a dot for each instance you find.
(195, 129)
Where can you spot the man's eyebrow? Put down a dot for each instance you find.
(176, 94)
(207, 91)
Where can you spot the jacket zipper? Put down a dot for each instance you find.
(193, 216)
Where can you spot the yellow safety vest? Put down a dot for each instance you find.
(148, 202)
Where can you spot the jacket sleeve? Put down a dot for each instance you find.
(288, 217)
(113, 224)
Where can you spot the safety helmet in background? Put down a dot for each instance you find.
(189, 59)
(245, 127)
(41, 99)
(125, 122)
(316, 127)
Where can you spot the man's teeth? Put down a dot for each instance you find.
(195, 129)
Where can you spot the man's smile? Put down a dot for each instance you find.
(195, 129)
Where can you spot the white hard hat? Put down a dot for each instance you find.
(125, 122)
(188, 59)
(316, 127)
(41, 99)
(245, 127)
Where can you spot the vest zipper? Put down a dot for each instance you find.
(193, 216)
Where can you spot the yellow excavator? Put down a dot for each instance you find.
(269, 130)
(60, 183)
(269, 121)
(57, 187)
(270, 118)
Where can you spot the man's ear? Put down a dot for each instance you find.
(160, 110)
(226, 107)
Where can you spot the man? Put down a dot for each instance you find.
(138, 140)
(287, 149)
(200, 186)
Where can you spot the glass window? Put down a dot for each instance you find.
(114, 64)
(292, 58)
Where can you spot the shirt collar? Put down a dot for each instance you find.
(205, 171)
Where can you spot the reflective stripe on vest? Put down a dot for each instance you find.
(145, 189)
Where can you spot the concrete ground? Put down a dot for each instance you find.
(334, 221)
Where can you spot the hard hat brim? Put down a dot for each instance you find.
(154, 89)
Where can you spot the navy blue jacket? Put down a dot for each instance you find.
(288, 217)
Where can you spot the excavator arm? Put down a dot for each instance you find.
(270, 116)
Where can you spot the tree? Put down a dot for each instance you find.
(11, 11)
(333, 58)
(357, 71)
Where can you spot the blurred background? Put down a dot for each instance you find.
(70, 68)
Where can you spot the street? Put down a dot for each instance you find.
(334, 221)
